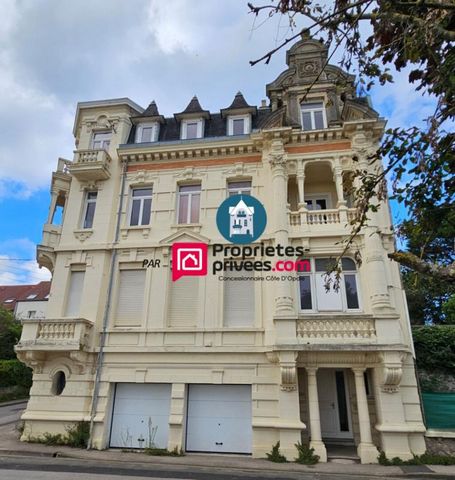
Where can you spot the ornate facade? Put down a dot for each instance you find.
(140, 356)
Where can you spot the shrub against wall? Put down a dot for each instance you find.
(15, 373)
(435, 348)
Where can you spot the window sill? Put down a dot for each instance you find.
(196, 227)
(145, 229)
(83, 233)
(314, 315)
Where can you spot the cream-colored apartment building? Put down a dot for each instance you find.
(215, 363)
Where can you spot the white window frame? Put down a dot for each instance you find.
(313, 285)
(312, 111)
(184, 125)
(140, 127)
(87, 201)
(237, 191)
(190, 195)
(141, 208)
(318, 196)
(246, 124)
(105, 143)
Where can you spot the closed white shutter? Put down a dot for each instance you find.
(130, 302)
(73, 303)
(238, 301)
(183, 302)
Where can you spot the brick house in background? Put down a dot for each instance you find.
(223, 366)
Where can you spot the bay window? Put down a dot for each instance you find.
(312, 287)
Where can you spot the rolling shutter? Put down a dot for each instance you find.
(73, 303)
(238, 301)
(130, 302)
(183, 302)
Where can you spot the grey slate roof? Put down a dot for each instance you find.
(214, 126)
(151, 110)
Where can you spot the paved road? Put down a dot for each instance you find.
(11, 413)
(48, 468)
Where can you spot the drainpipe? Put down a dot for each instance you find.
(99, 360)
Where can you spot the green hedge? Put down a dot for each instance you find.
(435, 347)
(15, 373)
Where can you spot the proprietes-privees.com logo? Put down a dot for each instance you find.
(241, 219)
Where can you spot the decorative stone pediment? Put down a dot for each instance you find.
(307, 62)
(184, 234)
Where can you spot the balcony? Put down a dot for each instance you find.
(54, 335)
(91, 165)
(335, 221)
(45, 255)
(329, 329)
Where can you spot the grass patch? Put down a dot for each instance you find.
(76, 436)
(164, 452)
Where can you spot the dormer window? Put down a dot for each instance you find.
(191, 129)
(313, 116)
(239, 125)
(147, 132)
(101, 140)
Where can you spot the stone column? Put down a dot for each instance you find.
(52, 207)
(284, 316)
(338, 179)
(315, 420)
(367, 452)
(374, 263)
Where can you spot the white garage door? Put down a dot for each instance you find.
(219, 419)
(141, 415)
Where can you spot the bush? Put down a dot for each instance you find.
(10, 333)
(435, 347)
(275, 455)
(306, 455)
(424, 459)
(15, 373)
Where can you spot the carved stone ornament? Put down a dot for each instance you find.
(392, 371)
(310, 67)
(82, 235)
(288, 378)
(33, 359)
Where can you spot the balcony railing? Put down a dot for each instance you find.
(91, 165)
(331, 329)
(321, 218)
(54, 334)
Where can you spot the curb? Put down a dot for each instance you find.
(13, 402)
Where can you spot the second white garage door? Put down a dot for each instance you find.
(219, 419)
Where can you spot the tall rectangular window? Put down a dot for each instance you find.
(147, 132)
(312, 287)
(191, 130)
(73, 302)
(89, 209)
(313, 116)
(189, 203)
(101, 140)
(130, 300)
(238, 126)
(238, 301)
(141, 206)
(239, 188)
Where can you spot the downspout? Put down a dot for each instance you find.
(99, 360)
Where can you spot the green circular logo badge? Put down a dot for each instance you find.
(241, 219)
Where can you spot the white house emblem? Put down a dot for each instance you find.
(241, 219)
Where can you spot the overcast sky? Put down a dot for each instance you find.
(54, 53)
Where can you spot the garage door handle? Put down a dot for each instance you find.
(218, 443)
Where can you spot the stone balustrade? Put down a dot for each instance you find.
(334, 329)
(93, 164)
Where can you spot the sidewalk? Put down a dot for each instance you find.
(10, 445)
